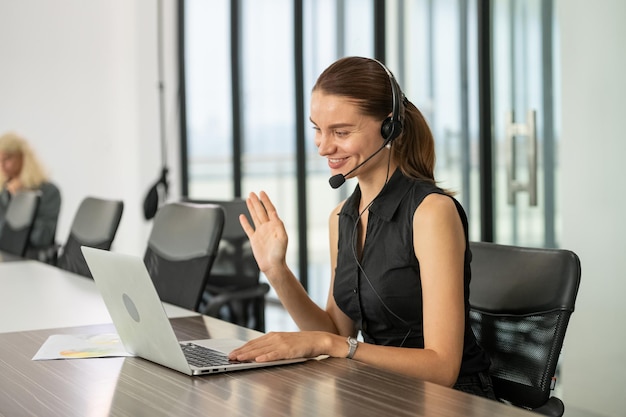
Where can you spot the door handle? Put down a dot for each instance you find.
(526, 130)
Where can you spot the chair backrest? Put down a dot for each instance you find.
(181, 250)
(18, 222)
(233, 291)
(521, 300)
(235, 266)
(95, 225)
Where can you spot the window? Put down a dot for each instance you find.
(208, 99)
(241, 93)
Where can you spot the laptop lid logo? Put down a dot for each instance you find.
(131, 308)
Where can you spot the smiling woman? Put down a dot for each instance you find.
(399, 249)
(337, 121)
(21, 170)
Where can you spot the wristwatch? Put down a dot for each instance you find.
(352, 344)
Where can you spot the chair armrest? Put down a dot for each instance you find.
(553, 408)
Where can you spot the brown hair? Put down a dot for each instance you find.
(366, 82)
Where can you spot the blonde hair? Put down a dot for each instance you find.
(32, 174)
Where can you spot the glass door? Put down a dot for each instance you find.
(523, 119)
(433, 49)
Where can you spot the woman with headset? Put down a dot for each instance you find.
(400, 259)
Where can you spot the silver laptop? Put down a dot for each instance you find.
(143, 326)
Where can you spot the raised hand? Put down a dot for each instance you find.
(268, 237)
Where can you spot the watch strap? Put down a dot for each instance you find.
(352, 345)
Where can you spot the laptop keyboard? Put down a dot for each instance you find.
(202, 357)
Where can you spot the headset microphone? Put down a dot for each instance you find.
(337, 181)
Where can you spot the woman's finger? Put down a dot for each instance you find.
(268, 206)
(257, 212)
(246, 226)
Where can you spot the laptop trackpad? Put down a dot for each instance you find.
(221, 345)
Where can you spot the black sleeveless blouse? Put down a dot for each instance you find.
(383, 293)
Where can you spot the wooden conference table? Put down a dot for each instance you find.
(135, 387)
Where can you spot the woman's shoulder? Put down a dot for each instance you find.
(50, 192)
(437, 203)
(439, 209)
(49, 186)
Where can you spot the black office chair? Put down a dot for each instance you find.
(233, 292)
(18, 222)
(95, 225)
(181, 250)
(521, 300)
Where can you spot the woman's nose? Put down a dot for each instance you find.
(324, 145)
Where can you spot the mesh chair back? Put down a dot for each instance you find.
(521, 301)
(233, 292)
(95, 225)
(18, 222)
(181, 250)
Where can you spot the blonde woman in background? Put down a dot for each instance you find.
(21, 170)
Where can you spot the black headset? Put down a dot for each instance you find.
(392, 126)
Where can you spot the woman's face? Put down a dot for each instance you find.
(343, 135)
(10, 164)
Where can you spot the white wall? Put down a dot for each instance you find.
(593, 199)
(79, 79)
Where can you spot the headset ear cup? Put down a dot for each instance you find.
(386, 129)
(390, 129)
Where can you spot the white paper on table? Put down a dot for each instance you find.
(72, 346)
